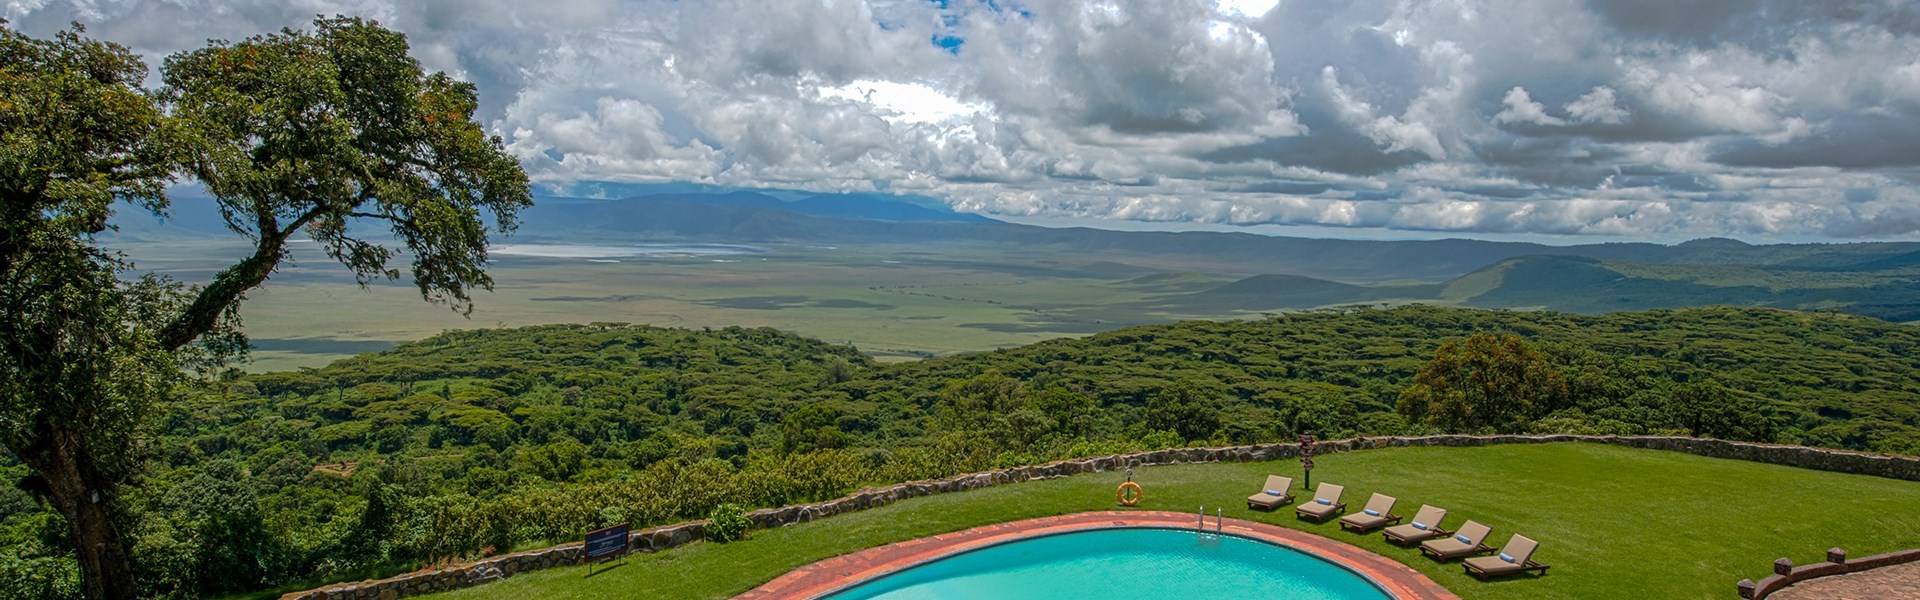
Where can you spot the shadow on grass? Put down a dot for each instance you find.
(592, 570)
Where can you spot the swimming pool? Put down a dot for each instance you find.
(1144, 563)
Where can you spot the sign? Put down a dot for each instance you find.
(607, 542)
(1306, 460)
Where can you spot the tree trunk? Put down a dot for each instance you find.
(87, 500)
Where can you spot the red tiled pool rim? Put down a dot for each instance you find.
(841, 572)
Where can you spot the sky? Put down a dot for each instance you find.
(1586, 120)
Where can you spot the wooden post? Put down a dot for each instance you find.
(1306, 461)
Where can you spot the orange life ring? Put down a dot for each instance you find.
(1129, 499)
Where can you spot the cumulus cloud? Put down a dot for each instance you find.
(1751, 118)
(1520, 108)
(1598, 106)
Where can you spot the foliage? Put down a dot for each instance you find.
(1486, 383)
(514, 438)
(80, 370)
(294, 133)
(727, 523)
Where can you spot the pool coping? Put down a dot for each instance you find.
(832, 575)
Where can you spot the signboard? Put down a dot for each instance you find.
(607, 543)
(1306, 460)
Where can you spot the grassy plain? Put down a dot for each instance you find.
(1614, 522)
(893, 302)
(906, 301)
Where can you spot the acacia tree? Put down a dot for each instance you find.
(320, 132)
(1487, 382)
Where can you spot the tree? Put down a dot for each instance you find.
(1706, 409)
(811, 428)
(80, 365)
(295, 132)
(1184, 410)
(1488, 382)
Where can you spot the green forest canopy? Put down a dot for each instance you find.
(482, 441)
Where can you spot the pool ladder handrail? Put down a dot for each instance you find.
(1219, 519)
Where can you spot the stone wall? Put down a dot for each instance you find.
(661, 538)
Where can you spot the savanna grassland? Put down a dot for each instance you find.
(894, 302)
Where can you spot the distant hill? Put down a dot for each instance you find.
(1877, 279)
(1270, 292)
(1886, 288)
(851, 219)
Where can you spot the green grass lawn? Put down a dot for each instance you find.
(1614, 522)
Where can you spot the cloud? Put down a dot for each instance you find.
(1598, 106)
(1522, 109)
(1624, 118)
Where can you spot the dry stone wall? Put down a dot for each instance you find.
(661, 538)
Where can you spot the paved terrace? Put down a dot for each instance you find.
(1898, 581)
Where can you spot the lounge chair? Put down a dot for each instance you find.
(1471, 540)
(1517, 557)
(1326, 503)
(1425, 526)
(1278, 493)
(1377, 514)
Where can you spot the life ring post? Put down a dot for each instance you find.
(1129, 494)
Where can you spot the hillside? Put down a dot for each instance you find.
(1274, 292)
(500, 438)
(748, 217)
(1883, 288)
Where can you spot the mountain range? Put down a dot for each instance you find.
(1880, 279)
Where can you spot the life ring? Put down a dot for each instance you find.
(1127, 499)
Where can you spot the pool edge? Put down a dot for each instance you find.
(833, 575)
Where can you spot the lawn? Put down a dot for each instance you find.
(1614, 522)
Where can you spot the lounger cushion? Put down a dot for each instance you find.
(1446, 547)
(1506, 557)
(1420, 526)
(1490, 564)
(1463, 539)
(1324, 501)
(1274, 493)
(1372, 512)
(1406, 533)
(1316, 510)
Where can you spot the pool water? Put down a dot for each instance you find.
(1145, 564)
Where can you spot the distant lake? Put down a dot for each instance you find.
(601, 251)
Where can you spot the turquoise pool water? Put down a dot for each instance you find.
(1124, 564)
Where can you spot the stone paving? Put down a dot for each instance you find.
(833, 574)
(1885, 583)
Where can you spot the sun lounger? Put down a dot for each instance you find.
(1377, 514)
(1425, 526)
(1275, 495)
(1517, 557)
(1326, 503)
(1469, 541)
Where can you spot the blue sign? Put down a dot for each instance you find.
(608, 542)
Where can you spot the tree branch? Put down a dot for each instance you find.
(232, 283)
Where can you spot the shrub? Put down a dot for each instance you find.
(727, 523)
